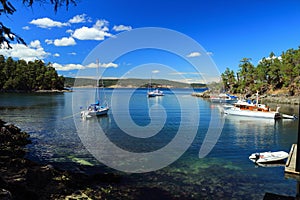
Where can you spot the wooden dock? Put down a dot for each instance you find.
(290, 166)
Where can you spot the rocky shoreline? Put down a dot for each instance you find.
(21, 178)
(280, 99)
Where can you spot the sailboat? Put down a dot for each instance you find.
(98, 108)
(153, 93)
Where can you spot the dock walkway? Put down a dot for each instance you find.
(290, 166)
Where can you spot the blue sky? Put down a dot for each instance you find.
(227, 30)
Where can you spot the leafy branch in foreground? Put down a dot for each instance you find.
(6, 35)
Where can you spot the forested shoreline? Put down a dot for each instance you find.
(271, 75)
(28, 76)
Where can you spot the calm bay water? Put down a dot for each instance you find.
(225, 172)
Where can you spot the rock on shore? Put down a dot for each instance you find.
(22, 179)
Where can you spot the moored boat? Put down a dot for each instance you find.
(224, 98)
(268, 157)
(158, 92)
(97, 109)
(249, 109)
(151, 94)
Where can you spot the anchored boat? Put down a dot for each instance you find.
(268, 157)
(249, 109)
(224, 98)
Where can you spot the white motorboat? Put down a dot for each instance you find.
(247, 109)
(268, 157)
(224, 98)
(252, 109)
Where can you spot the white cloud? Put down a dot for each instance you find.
(78, 19)
(107, 65)
(69, 67)
(47, 23)
(35, 44)
(56, 55)
(98, 32)
(34, 51)
(101, 24)
(72, 53)
(69, 31)
(273, 58)
(26, 28)
(65, 41)
(49, 41)
(194, 54)
(122, 28)
(155, 71)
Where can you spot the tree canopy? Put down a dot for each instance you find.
(271, 73)
(6, 8)
(28, 76)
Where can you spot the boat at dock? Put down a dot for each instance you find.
(285, 116)
(268, 157)
(250, 109)
(224, 98)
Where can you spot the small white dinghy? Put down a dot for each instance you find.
(268, 157)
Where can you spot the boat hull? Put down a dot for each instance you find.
(268, 157)
(219, 100)
(250, 113)
(98, 112)
(151, 94)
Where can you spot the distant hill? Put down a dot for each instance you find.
(132, 83)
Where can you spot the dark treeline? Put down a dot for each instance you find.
(28, 76)
(271, 74)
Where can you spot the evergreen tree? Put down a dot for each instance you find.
(271, 73)
(31, 76)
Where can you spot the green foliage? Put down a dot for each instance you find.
(130, 82)
(6, 8)
(31, 76)
(271, 73)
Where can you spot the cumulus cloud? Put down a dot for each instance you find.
(78, 19)
(49, 41)
(98, 32)
(47, 23)
(56, 55)
(34, 51)
(272, 58)
(65, 41)
(69, 31)
(69, 67)
(35, 44)
(194, 54)
(122, 28)
(107, 65)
